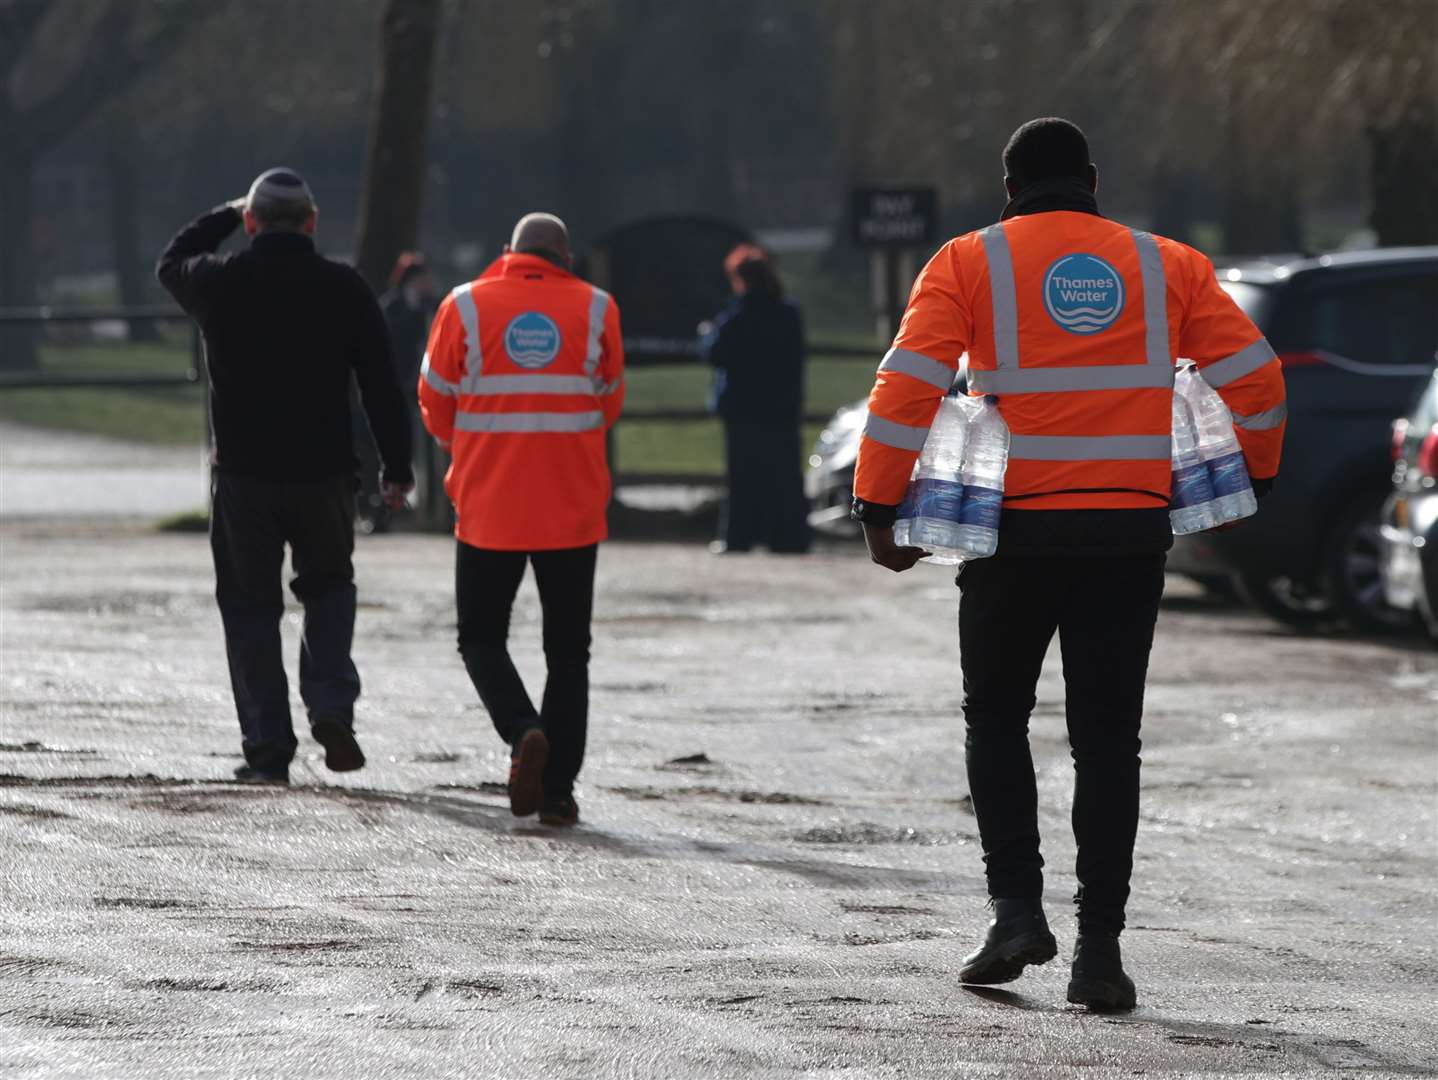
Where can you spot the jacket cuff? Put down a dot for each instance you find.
(878, 515)
(1261, 487)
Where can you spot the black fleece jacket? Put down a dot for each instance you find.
(285, 329)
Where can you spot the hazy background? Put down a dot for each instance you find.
(1243, 126)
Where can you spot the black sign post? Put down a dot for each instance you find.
(892, 223)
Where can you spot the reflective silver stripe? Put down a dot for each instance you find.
(1089, 447)
(526, 423)
(438, 382)
(605, 388)
(469, 319)
(531, 384)
(1064, 379)
(1155, 300)
(1244, 362)
(1266, 420)
(1001, 286)
(598, 304)
(919, 367)
(899, 436)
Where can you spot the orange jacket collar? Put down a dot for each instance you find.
(517, 264)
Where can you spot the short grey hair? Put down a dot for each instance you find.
(280, 199)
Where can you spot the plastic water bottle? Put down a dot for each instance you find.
(1218, 446)
(1191, 507)
(986, 459)
(929, 515)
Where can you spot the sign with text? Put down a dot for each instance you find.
(893, 217)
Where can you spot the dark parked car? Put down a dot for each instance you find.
(1410, 517)
(829, 482)
(1357, 333)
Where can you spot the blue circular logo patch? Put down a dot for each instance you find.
(1083, 294)
(531, 340)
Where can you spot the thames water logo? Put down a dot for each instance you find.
(532, 340)
(1083, 294)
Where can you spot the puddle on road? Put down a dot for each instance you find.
(867, 832)
(33, 747)
(167, 984)
(35, 813)
(853, 908)
(767, 798)
(437, 757)
(152, 604)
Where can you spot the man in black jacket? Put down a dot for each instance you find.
(285, 331)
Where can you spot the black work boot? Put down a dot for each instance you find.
(1098, 978)
(1018, 936)
(342, 751)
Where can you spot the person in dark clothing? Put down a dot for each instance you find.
(408, 306)
(285, 331)
(756, 345)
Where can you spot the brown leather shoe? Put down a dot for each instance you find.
(526, 773)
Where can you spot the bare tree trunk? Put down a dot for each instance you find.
(1261, 211)
(17, 261)
(1403, 167)
(1172, 201)
(399, 119)
(130, 270)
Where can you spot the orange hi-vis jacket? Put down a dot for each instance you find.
(523, 377)
(1074, 322)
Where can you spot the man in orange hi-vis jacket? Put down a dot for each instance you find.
(523, 377)
(1074, 322)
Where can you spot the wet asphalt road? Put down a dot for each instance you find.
(795, 902)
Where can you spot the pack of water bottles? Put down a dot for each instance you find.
(1210, 477)
(952, 506)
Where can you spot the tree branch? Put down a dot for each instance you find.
(19, 19)
(109, 64)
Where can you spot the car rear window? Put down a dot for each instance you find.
(1387, 320)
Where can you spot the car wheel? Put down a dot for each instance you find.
(1351, 571)
(1219, 585)
(1289, 601)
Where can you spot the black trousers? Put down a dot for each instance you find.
(485, 586)
(251, 521)
(765, 502)
(1104, 610)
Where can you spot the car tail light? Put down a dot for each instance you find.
(1400, 436)
(1427, 462)
(1299, 359)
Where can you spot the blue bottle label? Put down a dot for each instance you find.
(1229, 474)
(931, 498)
(1191, 486)
(982, 506)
